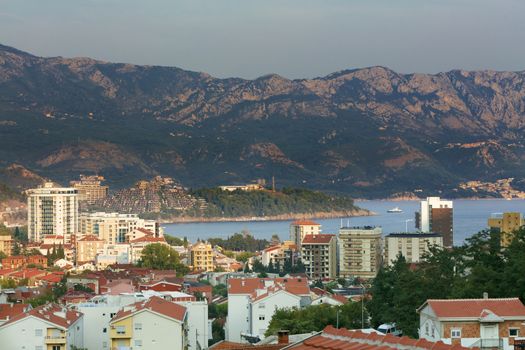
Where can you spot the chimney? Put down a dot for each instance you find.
(485, 295)
(283, 337)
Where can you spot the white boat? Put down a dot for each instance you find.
(395, 210)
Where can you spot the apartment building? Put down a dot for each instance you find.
(201, 257)
(136, 246)
(152, 324)
(506, 224)
(319, 256)
(52, 210)
(410, 245)
(87, 248)
(475, 323)
(112, 254)
(437, 216)
(360, 251)
(301, 228)
(253, 301)
(90, 188)
(277, 255)
(6, 244)
(114, 227)
(47, 327)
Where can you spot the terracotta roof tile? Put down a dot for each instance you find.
(90, 238)
(8, 311)
(154, 304)
(317, 239)
(305, 223)
(457, 308)
(298, 286)
(50, 313)
(150, 239)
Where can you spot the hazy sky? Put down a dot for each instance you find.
(294, 38)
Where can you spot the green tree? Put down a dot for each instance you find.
(161, 257)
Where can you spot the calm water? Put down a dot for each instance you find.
(470, 216)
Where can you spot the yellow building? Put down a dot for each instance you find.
(506, 224)
(87, 248)
(201, 257)
(90, 189)
(6, 244)
(152, 324)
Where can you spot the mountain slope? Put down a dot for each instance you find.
(369, 132)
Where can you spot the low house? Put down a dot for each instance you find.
(46, 327)
(152, 324)
(482, 323)
(342, 339)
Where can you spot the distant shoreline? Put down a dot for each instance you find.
(282, 217)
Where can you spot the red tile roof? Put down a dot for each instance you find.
(28, 273)
(8, 311)
(317, 239)
(305, 223)
(50, 313)
(90, 238)
(343, 339)
(150, 239)
(155, 304)
(298, 286)
(52, 278)
(469, 308)
(147, 232)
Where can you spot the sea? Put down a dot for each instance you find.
(470, 217)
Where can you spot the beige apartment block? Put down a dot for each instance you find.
(360, 251)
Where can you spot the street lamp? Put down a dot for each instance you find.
(362, 306)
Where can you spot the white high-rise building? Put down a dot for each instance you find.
(436, 216)
(52, 210)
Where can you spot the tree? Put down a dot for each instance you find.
(16, 249)
(3, 255)
(221, 290)
(158, 256)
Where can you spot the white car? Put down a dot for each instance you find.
(390, 328)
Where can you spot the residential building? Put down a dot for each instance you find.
(6, 244)
(90, 188)
(245, 188)
(506, 224)
(253, 301)
(152, 324)
(114, 228)
(136, 246)
(301, 228)
(482, 323)
(277, 255)
(52, 210)
(437, 216)
(411, 245)
(201, 257)
(360, 251)
(49, 327)
(332, 338)
(319, 256)
(87, 248)
(20, 261)
(10, 310)
(112, 254)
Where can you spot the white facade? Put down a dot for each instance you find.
(426, 208)
(197, 323)
(411, 245)
(299, 229)
(52, 210)
(112, 254)
(114, 227)
(35, 333)
(157, 332)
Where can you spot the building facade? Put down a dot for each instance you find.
(437, 216)
(201, 257)
(6, 244)
(301, 228)
(319, 256)
(90, 188)
(481, 323)
(360, 251)
(114, 228)
(506, 224)
(87, 248)
(410, 245)
(277, 255)
(52, 210)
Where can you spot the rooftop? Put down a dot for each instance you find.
(475, 308)
(155, 304)
(318, 239)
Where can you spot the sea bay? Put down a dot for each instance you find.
(470, 216)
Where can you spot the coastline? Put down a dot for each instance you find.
(282, 217)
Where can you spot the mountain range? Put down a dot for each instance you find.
(369, 132)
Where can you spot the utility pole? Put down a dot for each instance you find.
(362, 306)
(273, 183)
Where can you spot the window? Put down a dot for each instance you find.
(455, 333)
(426, 329)
(138, 326)
(261, 306)
(56, 347)
(121, 330)
(262, 317)
(514, 332)
(104, 330)
(138, 342)
(38, 332)
(105, 344)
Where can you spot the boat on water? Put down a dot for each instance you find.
(395, 210)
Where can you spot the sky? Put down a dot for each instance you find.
(293, 38)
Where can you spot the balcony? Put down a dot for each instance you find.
(494, 343)
(55, 339)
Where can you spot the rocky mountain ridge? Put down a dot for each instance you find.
(370, 132)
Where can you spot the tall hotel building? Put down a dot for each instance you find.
(436, 216)
(52, 210)
(90, 188)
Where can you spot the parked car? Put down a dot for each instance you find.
(390, 328)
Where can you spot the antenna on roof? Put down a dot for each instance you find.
(341, 224)
(348, 222)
